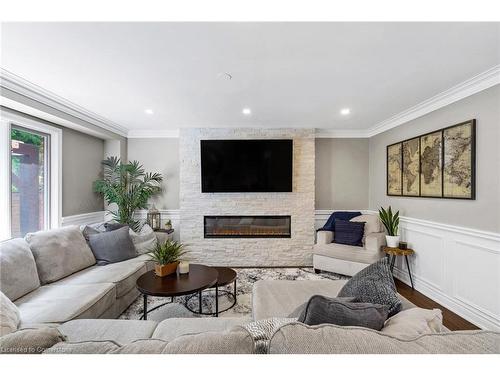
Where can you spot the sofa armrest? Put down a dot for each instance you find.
(324, 237)
(374, 241)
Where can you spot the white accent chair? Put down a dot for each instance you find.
(345, 259)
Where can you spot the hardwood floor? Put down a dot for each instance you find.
(451, 320)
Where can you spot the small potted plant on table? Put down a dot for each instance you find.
(391, 224)
(166, 256)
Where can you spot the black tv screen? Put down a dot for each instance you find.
(231, 166)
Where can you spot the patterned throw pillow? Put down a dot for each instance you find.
(374, 284)
(349, 232)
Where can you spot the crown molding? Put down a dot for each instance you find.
(480, 82)
(32, 91)
(151, 133)
(341, 133)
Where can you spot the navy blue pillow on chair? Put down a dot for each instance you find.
(338, 215)
(349, 232)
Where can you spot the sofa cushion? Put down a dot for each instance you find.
(144, 241)
(235, 341)
(374, 284)
(343, 312)
(349, 253)
(112, 247)
(298, 338)
(119, 331)
(372, 223)
(18, 274)
(59, 252)
(9, 316)
(414, 322)
(30, 341)
(123, 274)
(349, 233)
(60, 303)
(84, 347)
(169, 329)
(285, 298)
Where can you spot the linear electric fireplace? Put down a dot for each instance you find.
(247, 226)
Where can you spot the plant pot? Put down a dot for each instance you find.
(392, 241)
(168, 227)
(162, 270)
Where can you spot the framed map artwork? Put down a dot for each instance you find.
(440, 164)
(394, 169)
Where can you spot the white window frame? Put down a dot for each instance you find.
(7, 120)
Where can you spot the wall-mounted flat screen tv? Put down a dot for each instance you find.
(256, 165)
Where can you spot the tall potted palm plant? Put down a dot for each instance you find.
(391, 224)
(129, 186)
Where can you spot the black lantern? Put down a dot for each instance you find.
(153, 218)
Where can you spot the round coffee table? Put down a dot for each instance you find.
(225, 277)
(200, 277)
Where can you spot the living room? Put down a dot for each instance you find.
(249, 187)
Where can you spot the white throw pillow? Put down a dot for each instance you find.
(9, 316)
(144, 241)
(414, 322)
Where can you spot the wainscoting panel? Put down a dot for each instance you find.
(83, 219)
(455, 266)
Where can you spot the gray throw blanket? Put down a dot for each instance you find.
(262, 331)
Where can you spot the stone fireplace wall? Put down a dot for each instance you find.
(299, 204)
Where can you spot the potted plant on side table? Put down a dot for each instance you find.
(166, 256)
(391, 224)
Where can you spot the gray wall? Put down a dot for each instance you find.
(342, 173)
(81, 166)
(482, 213)
(159, 155)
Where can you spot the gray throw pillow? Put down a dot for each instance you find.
(113, 226)
(320, 310)
(88, 230)
(112, 247)
(374, 284)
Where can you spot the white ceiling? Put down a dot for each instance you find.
(289, 74)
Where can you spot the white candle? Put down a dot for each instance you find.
(183, 267)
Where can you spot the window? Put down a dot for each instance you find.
(29, 199)
(30, 168)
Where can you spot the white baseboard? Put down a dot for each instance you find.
(83, 219)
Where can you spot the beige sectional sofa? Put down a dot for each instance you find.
(82, 290)
(82, 302)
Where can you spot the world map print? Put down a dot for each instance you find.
(431, 170)
(458, 161)
(440, 164)
(411, 167)
(394, 169)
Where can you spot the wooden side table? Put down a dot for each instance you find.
(394, 252)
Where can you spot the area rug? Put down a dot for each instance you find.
(243, 308)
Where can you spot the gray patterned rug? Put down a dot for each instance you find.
(243, 307)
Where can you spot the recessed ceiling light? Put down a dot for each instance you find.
(345, 111)
(148, 111)
(246, 111)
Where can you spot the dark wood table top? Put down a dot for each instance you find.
(200, 277)
(226, 275)
(397, 251)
